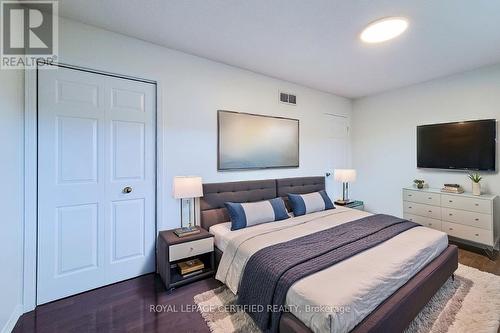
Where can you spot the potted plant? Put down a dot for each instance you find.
(476, 186)
(420, 183)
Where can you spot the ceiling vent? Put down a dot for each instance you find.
(288, 98)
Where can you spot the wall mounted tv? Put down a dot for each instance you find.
(468, 145)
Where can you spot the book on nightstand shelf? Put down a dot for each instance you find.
(188, 268)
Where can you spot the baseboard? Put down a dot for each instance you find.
(9, 326)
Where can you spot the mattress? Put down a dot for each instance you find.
(338, 298)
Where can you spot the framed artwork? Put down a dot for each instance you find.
(251, 141)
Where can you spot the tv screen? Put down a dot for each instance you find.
(469, 145)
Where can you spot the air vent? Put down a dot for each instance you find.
(288, 98)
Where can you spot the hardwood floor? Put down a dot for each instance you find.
(126, 306)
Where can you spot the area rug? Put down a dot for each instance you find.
(470, 303)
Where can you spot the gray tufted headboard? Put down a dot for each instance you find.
(216, 194)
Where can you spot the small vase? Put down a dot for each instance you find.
(476, 188)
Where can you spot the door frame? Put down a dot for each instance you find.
(30, 255)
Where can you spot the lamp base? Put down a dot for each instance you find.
(342, 202)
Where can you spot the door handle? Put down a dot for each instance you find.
(127, 190)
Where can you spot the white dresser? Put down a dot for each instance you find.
(463, 216)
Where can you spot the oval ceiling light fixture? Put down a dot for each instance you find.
(384, 29)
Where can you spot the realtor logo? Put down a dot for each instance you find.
(29, 33)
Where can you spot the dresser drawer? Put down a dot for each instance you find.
(425, 221)
(466, 203)
(422, 210)
(470, 233)
(189, 249)
(478, 220)
(422, 197)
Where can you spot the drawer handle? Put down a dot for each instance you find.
(476, 219)
(410, 207)
(191, 249)
(430, 223)
(477, 234)
(430, 211)
(450, 228)
(450, 214)
(450, 200)
(477, 204)
(430, 198)
(409, 195)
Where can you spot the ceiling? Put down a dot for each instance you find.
(314, 42)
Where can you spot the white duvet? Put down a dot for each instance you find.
(337, 298)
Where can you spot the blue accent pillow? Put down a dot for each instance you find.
(252, 213)
(309, 203)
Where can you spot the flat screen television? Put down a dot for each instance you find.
(468, 145)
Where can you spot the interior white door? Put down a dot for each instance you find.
(96, 181)
(339, 145)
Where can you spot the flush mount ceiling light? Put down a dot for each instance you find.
(384, 29)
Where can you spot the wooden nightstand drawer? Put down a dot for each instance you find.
(189, 249)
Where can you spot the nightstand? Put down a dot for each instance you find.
(173, 249)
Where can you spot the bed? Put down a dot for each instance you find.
(383, 288)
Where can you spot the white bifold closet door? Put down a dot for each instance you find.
(96, 181)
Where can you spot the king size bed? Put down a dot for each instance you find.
(380, 286)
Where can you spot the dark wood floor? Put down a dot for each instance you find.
(125, 306)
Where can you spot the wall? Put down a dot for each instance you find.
(384, 134)
(192, 89)
(11, 195)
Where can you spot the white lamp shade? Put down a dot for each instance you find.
(187, 187)
(345, 175)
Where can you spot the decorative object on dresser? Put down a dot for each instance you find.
(476, 185)
(452, 188)
(345, 176)
(419, 183)
(187, 188)
(184, 260)
(465, 216)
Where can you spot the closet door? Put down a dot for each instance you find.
(96, 181)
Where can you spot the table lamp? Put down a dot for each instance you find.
(188, 188)
(345, 176)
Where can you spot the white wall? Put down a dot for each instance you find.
(192, 89)
(384, 134)
(11, 195)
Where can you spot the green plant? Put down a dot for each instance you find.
(475, 177)
(419, 181)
